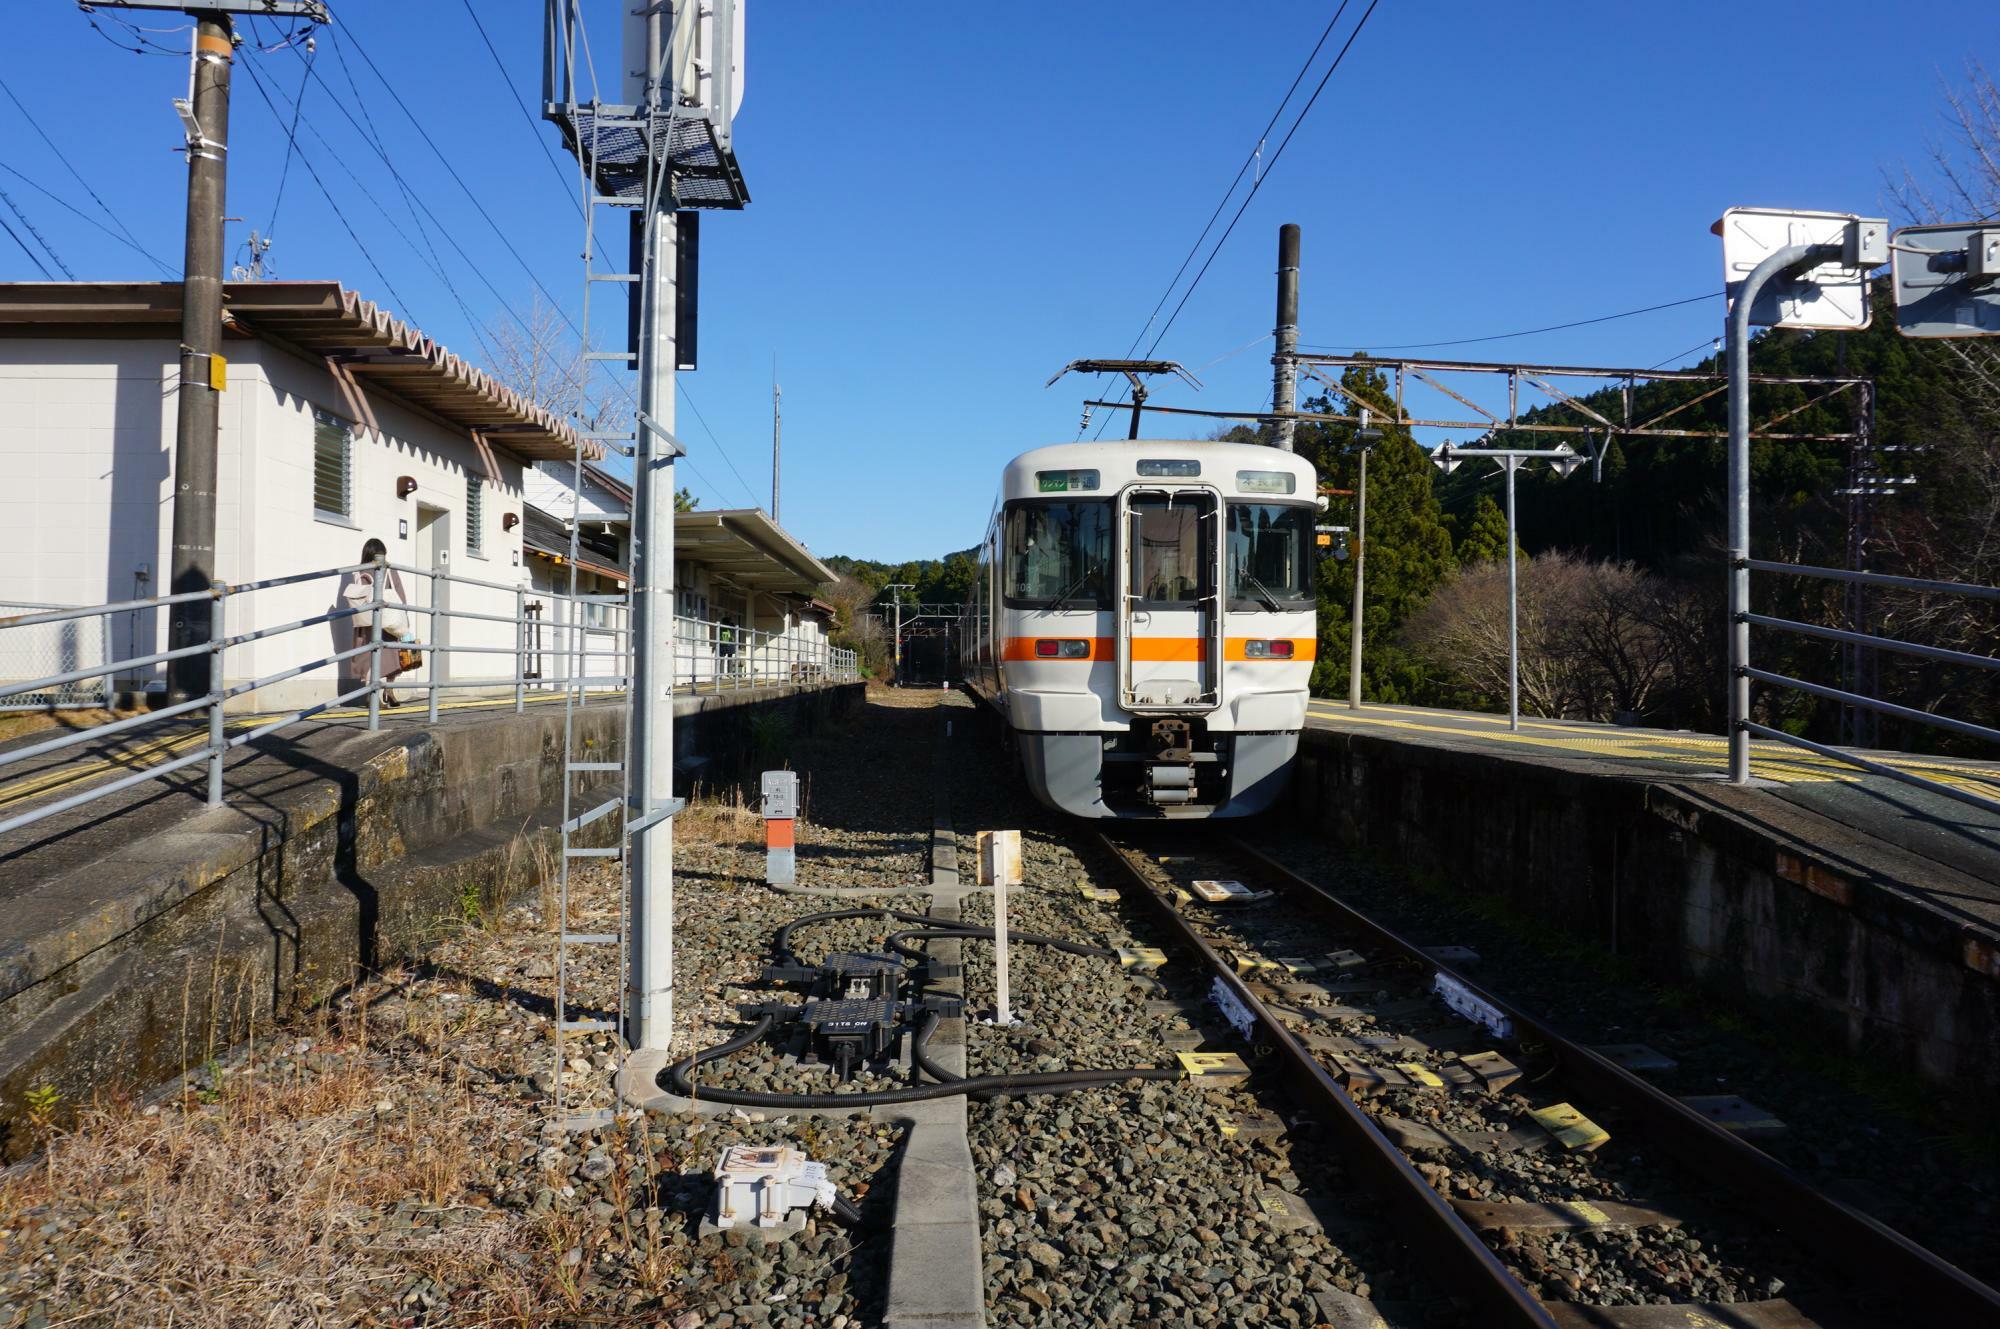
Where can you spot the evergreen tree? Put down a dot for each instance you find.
(1409, 547)
(1485, 537)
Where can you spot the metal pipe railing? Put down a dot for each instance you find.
(1742, 726)
(711, 653)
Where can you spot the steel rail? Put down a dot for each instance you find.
(1907, 1275)
(1465, 1263)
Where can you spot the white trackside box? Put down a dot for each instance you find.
(763, 1184)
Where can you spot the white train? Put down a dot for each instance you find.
(1143, 621)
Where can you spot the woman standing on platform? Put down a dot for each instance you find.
(360, 593)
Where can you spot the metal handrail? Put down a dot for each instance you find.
(1875, 578)
(753, 658)
(1741, 723)
(1945, 654)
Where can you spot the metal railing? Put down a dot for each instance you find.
(587, 642)
(1939, 654)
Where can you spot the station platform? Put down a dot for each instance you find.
(1820, 798)
(337, 847)
(1876, 905)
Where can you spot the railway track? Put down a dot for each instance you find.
(1543, 1182)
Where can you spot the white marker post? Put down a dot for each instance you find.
(1000, 867)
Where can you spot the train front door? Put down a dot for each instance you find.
(1169, 624)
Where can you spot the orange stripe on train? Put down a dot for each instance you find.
(1159, 650)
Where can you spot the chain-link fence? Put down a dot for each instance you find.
(42, 650)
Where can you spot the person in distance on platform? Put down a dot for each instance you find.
(359, 592)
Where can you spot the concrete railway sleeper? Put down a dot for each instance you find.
(1426, 1102)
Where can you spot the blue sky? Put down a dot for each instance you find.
(951, 201)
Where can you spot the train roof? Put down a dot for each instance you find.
(1117, 464)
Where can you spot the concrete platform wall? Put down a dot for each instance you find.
(258, 910)
(1682, 886)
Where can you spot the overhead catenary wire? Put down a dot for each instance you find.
(1258, 184)
(1223, 202)
(1526, 332)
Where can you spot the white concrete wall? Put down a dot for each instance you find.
(86, 478)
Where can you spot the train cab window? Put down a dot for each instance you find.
(1170, 556)
(1057, 553)
(1270, 556)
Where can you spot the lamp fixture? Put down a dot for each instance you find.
(1444, 459)
(509, 520)
(406, 485)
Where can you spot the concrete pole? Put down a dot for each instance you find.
(777, 435)
(1509, 464)
(1284, 368)
(899, 641)
(650, 973)
(1360, 584)
(193, 566)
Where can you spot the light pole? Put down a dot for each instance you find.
(1562, 459)
(895, 588)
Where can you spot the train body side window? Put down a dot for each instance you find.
(1057, 552)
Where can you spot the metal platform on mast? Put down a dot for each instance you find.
(616, 141)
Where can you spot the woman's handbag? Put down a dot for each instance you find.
(407, 659)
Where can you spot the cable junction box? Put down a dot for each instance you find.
(764, 1184)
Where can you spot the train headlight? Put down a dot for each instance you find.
(1064, 648)
(1267, 650)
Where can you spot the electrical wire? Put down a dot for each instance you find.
(40, 239)
(258, 83)
(1223, 202)
(1530, 332)
(291, 143)
(70, 166)
(82, 216)
(1708, 344)
(533, 128)
(1257, 185)
(486, 214)
(33, 257)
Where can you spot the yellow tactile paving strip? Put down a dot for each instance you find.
(1705, 752)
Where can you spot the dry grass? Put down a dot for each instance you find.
(727, 823)
(348, 1180)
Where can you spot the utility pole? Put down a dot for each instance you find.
(202, 366)
(777, 433)
(1284, 367)
(205, 118)
(896, 590)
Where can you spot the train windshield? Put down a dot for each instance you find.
(1270, 563)
(1059, 552)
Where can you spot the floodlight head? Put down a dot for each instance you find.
(1366, 433)
(1443, 459)
(1566, 464)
